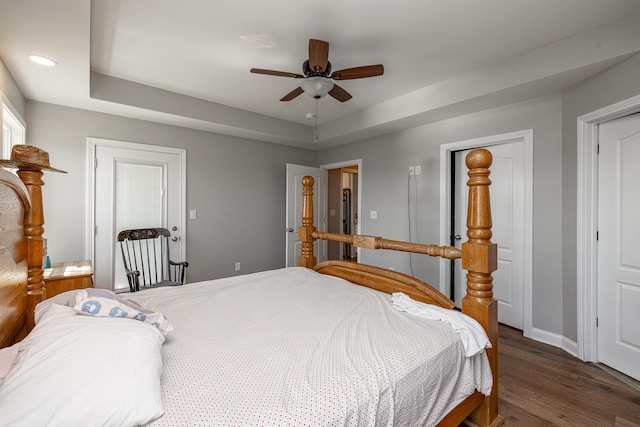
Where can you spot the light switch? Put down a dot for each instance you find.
(332, 212)
(373, 214)
(193, 214)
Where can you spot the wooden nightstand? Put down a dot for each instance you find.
(67, 276)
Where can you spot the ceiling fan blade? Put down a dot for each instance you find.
(276, 73)
(358, 72)
(294, 93)
(339, 93)
(318, 55)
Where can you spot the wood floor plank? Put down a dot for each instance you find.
(541, 385)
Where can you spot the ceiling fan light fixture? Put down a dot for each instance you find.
(316, 87)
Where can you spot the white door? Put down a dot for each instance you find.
(508, 215)
(295, 173)
(135, 186)
(619, 245)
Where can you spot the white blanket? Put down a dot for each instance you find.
(474, 338)
(292, 347)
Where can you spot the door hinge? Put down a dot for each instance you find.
(597, 235)
(597, 322)
(95, 163)
(598, 149)
(95, 230)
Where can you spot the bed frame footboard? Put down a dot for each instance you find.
(479, 258)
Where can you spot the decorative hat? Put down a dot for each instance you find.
(28, 157)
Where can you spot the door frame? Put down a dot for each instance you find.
(92, 144)
(587, 222)
(526, 137)
(339, 165)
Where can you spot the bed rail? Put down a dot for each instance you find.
(372, 242)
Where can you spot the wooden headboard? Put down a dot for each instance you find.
(14, 203)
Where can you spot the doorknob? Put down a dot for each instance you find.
(290, 230)
(457, 237)
(174, 228)
(175, 238)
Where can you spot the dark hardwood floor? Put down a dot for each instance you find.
(541, 385)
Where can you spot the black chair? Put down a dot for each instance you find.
(145, 253)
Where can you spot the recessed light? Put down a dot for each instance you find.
(42, 60)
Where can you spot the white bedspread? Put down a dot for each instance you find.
(474, 339)
(292, 347)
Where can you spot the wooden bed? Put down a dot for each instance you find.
(22, 286)
(479, 258)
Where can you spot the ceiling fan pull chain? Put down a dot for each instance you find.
(315, 125)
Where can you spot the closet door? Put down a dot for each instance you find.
(619, 245)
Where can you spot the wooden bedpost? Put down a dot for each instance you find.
(480, 259)
(307, 258)
(33, 230)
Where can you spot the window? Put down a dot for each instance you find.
(13, 128)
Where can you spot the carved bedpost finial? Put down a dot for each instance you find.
(480, 256)
(307, 258)
(479, 219)
(480, 259)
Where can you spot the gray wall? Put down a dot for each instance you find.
(236, 185)
(11, 90)
(609, 87)
(385, 162)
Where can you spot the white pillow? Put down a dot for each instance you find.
(43, 306)
(75, 370)
(105, 303)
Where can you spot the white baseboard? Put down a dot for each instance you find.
(570, 347)
(555, 340)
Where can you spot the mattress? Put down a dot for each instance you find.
(292, 347)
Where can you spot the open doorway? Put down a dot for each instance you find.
(344, 182)
(342, 203)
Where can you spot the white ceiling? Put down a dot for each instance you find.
(187, 63)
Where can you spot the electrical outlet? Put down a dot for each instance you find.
(238, 266)
(411, 170)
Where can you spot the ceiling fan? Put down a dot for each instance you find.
(317, 76)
